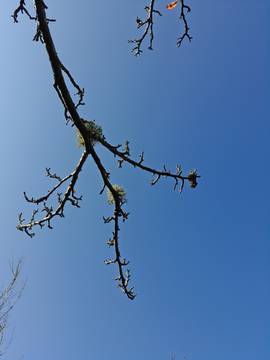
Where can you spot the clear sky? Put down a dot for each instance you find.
(199, 260)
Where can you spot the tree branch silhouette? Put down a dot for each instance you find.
(88, 135)
(149, 27)
(183, 17)
(8, 300)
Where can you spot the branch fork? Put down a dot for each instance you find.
(89, 140)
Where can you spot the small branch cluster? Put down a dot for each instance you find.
(149, 26)
(183, 17)
(49, 213)
(8, 299)
(21, 8)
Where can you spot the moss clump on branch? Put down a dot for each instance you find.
(121, 193)
(95, 132)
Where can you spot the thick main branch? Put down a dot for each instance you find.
(64, 95)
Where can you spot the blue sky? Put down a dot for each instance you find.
(199, 260)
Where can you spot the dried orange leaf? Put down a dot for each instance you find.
(172, 5)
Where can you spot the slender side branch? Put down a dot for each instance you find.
(21, 8)
(45, 198)
(183, 17)
(122, 281)
(118, 212)
(69, 196)
(149, 25)
(8, 299)
(124, 157)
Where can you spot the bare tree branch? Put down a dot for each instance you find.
(8, 299)
(69, 196)
(149, 25)
(124, 157)
(183, 17)
(21, 8)
(90, 134)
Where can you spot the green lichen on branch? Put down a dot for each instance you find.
(95, 133)
(121, 193)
